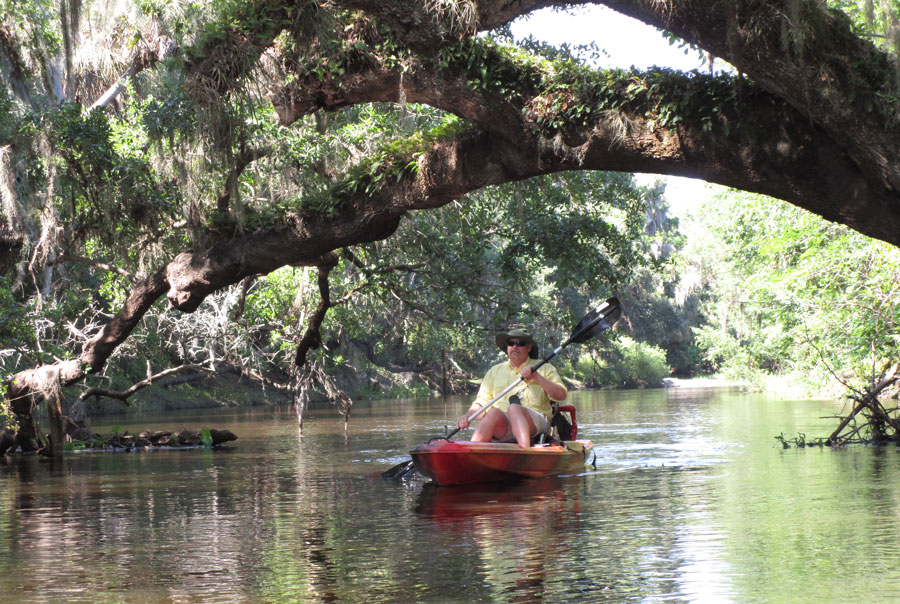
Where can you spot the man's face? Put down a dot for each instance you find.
(517, 350)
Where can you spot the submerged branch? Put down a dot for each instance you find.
(879, 423)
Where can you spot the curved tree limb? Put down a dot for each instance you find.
(799, 130)
(124, 395)
(312, 337)
(835, 92)
(149, 53)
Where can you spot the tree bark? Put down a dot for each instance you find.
(312, 338)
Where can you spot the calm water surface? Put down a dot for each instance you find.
(691, 500)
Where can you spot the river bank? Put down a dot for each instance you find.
(231, 390)
(704, 382)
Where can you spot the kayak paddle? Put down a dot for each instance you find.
(597, 320)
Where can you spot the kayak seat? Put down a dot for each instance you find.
(562, 426)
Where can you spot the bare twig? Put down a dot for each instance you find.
(101, 265)
(825, 363)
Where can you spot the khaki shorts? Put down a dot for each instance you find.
(541, 424)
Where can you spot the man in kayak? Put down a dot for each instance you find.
(525, 412)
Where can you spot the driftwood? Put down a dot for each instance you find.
(879, 424)
(869, 421)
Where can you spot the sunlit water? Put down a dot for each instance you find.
(691, 499)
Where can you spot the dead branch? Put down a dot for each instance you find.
(101, 265)
(159, 49)
(125, 394)
(879, 422)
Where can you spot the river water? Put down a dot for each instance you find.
(692, 499)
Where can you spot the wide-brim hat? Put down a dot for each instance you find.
(517, 334)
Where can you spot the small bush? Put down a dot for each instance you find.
(627, 364)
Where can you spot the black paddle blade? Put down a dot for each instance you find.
(405, 469)
(600, 318)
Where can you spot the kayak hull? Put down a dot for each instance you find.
(464, 462)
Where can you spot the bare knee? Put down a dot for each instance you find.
(494, 425)
(519, 415)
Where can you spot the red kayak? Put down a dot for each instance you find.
(463, 462)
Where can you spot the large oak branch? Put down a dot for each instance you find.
(724, 130)
(806, 56)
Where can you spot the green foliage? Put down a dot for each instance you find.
(171, 118)
(569, 94)
(536, 252)
(624, 363)
(8, 121)
(871, 19)
(492, 67)
(7, 417)
(391, 161)
(33, 26)
(14, 331)
(107, 189)
(794, 293)
(641, 365)
(801, 441)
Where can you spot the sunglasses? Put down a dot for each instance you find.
(518, 343)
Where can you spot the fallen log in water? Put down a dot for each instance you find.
(157, 438)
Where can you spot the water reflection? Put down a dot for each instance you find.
(691, 501)
(516, 528)
(445, 505)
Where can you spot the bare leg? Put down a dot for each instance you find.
(494, 425)
(521, 424)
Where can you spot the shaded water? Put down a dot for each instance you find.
(691, 500)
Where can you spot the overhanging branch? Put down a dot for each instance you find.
(312, 337)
